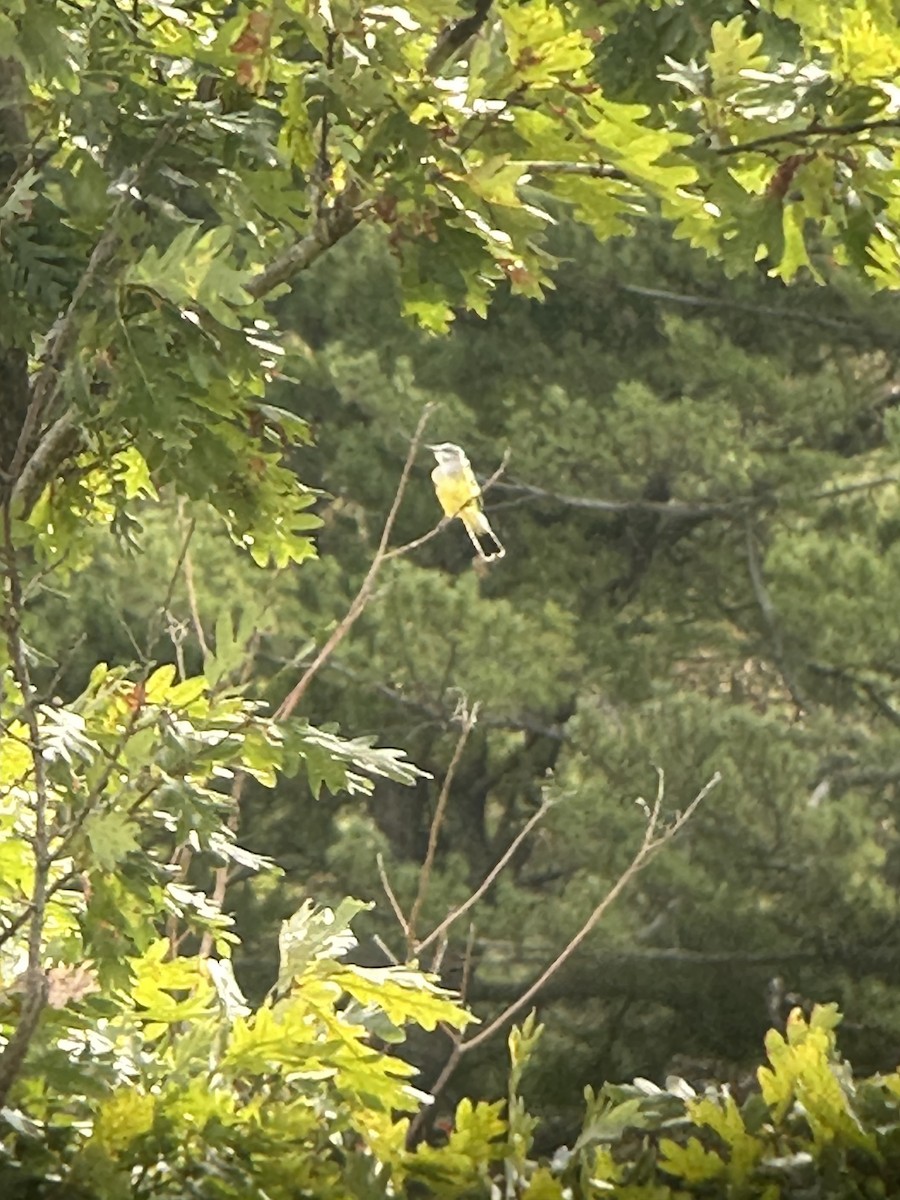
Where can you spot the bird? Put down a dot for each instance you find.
(459, 495)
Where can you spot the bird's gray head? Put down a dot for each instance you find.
(447, 453)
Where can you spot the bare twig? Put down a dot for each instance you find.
(653, 841)
(469, 719)
(655, 837)
(392, 895)
(453, 916)
(192, 591)
(467, 963)
(672, 508)
(361, 599)
(721, 302)
(223, 874)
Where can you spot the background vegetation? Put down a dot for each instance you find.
(693, 467)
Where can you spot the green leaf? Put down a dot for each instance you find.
(312, 934)
(404, 995)
(112, 836)
(23, 191)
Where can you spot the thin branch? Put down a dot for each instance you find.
(467, 964)
(362, 597)
(391, 895)
(191, 590)
(453, 916)
(420, 541)
(552, 167)
(801, 137)
(865, 485)
(654, 839)
(652, 843)
(719, 302)
(772, 623)
(672, 508)
(223, 874)
(449, 1067)
(469, 720)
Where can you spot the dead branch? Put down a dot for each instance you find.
(468, 724)
(656, 836)
(453, 916)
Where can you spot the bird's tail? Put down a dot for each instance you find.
(487, 545)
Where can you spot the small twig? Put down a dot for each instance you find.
(721, 302)
(649, 847)
(467, 963)
(155, 626)
(391, 895)
(192, 591)
(469, 720)
(453, 1059)
(362, 597)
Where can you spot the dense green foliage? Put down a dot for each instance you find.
(617, 636)
(700, 506)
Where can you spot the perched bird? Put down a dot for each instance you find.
(460, 496)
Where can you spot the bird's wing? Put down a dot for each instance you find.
(471, 481)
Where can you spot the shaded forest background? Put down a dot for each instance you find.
(700, 506)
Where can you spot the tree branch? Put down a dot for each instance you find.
(672, 508)
(362, 597)
(801, 137)
(461, 909)
(719, 302)
(334, 224)
(770, 619)
(550, 166)
(58, 345)
(468, 724)
(654, 839)
(452, 39)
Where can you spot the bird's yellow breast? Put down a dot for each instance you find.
(455, 490)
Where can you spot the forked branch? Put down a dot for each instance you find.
(657, 834)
